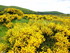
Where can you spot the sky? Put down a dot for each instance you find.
(40, 5)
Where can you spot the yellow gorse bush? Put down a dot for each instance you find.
(28, 38)
(13, 11)
(24, 39)
(10, 14)
(42, 34)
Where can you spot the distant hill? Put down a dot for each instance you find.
(27, 11)
(50, 12)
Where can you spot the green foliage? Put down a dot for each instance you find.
(20, 21)
(3, 31)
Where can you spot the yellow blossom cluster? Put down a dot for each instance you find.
(52, 18)
(29, 38)
(13, 11)
(42, 34)
(24, 38)
(8, 25)
(37, 17)
(10, 14)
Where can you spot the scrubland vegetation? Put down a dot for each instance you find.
(33, 33)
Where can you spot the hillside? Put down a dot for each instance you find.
(33, 33)
(27, 11)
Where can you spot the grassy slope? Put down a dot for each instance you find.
(3, 30)
(26, 11)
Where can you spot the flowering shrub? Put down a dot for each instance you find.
(13, 11)
(33, 38)
(40, 35)
(8, 17)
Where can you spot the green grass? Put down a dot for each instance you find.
(20, 21)
(3, 31)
